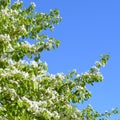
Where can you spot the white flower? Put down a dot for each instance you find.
(19, 2)
(74, 70)
(23, 29)
(5, 37)
(74, 116)
(56, 114)
(86, 73)
(42, 13)
(15, 71)
(78, 75)
(12, 90)
(52, 76)
(15, 11)
(61, 75)
(100, 75)
(27, 44)
(13, 81)
(45, 64)
(53, 96)
(12, 98)
(39, 78)
(33, 78)
(95, 69)
(5, 12)
(25, 74)
(33, 4)
(49, 45)
(79, 88)
(42, 103)
(33, 63)
(34, 106)
(23, 62)
(50, 102)
(10, 47)
(10, 61)
(24, 98)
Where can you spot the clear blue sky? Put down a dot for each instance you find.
(89, 28)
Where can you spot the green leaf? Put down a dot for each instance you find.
(57, 43)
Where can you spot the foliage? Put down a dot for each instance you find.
(27, 90)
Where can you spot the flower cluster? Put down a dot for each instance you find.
(5, 37)
(27, 90)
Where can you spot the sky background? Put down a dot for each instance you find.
(89, 28)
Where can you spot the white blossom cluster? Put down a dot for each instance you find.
(22, 28)
(26, 84)
(36, 107)
(5, 12)
(18, 2)
(33, 63)
(39, 107)
(5, 38)
(98, 63)
(33, 4)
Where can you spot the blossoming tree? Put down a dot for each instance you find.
(27, 90)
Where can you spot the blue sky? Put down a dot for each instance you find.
(89, 28)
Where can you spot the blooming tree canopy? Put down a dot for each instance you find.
(27, 90)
